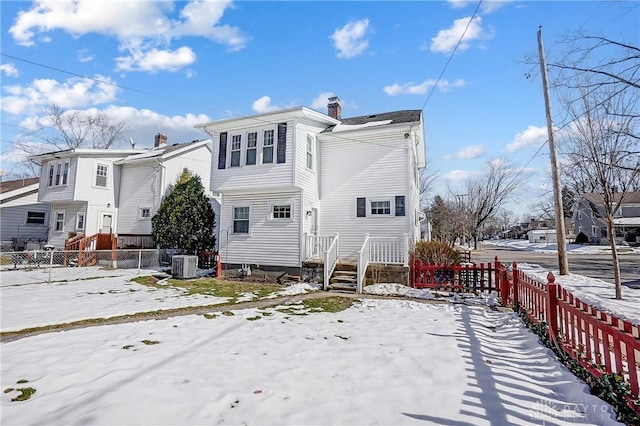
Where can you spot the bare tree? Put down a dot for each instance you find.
(428, 175)
(485, 195)
(66, 129)
(602, 146)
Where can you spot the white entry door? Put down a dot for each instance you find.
(107, 220)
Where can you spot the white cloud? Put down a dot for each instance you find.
(533, 136)
(422, 88)
(85, 55)
(143, 24)
(263, 105)
(458, 4)
(350, 40)
(460, 175)
(72, 93)
(470, 152)
(155, 60)
(446, 40)
(321, 101)
(9, 70)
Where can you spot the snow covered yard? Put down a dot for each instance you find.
(378, 362)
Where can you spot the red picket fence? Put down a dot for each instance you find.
(468, 278)
(600, 342)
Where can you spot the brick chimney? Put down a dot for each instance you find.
(335, 107)
(161, 139)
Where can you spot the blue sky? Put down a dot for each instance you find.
(172, 65)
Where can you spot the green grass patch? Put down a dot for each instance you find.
(209, 316)
(257, 317)
(25, 393)
(127, 346)
(329, 304)
(7, 390)
(150, 342)
(5, 260)
(228, 313)
(214, 287)
(22, 381)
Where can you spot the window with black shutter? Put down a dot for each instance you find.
(222, 155)
(400, 205)
(282, 143)
(361, 207)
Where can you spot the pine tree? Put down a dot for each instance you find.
(185, 219)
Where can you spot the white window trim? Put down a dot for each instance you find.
(380, 200)
(233, 208)
(95, 174)
(310, 151)
(248, 148)
(140, 216)
(595, 232)
(84, 221)
(57, 180)
(272, 146)
(288, 202)
(232, 151)
(55, 220)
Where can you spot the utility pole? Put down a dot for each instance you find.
(563, 263)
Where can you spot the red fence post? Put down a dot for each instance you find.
(552, 307)
(502, 283)
(514, 283)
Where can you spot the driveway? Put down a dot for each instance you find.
(590, 265)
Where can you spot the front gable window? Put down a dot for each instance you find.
(51, 170)
(102, 172)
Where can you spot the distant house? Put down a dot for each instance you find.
(24, 219)
(294, 181)
(542, 236)
(116, 192)
(589, 217)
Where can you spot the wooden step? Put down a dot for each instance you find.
(350, 287)
(343, 279)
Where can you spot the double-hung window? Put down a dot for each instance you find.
(381, 207)
(80, 221)
(252, 146)
(236, 145)
(102, 172)
(59, 224)
(309, 152)
(241, 220)
(145, 213)
(51, 171)
(65, 173)
(267, 147)
(58, 173)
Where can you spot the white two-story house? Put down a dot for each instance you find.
(111, 191)
(292, 174)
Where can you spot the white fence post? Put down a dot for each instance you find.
(406, 250)
(139, 260)
(50, 265)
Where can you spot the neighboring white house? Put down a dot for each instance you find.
(23, 218)
(112, 191)
(289, 174)
(548, 236)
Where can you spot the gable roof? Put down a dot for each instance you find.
(162, 151)
(12, 185)
(630, 197)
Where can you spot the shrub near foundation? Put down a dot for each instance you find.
(437, 253)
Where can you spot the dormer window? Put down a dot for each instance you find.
(267, 147)
(236, 146)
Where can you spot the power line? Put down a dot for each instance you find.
(82, 76)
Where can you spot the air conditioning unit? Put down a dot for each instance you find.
(184, 266)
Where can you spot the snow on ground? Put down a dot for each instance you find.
(379, 362)
(553, 248)
(593, 291)
(93, 293)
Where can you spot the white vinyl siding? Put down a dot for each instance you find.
(377, 172)
(263, 176)
(270, 242)
(14, 220)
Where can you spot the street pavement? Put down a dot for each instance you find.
(590, 265)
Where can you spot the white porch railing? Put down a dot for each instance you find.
(330, 259)
(363, 262)
(315, 246)
(384, 250)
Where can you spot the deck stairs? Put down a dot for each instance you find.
(345, 277)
